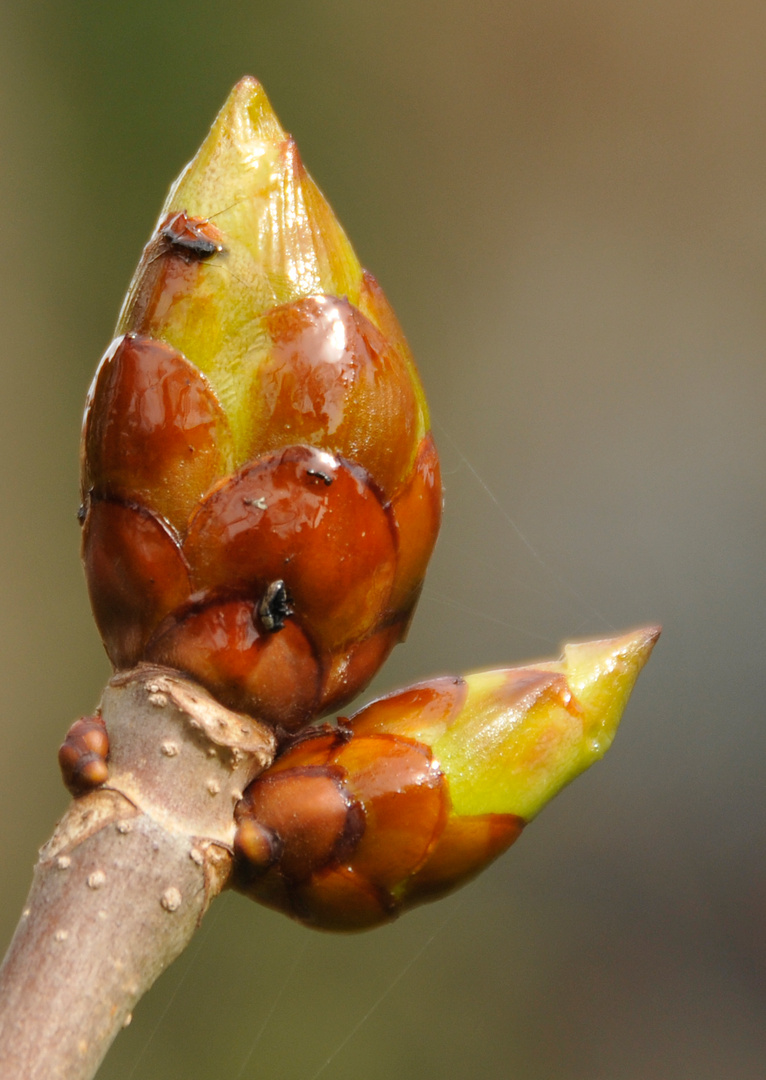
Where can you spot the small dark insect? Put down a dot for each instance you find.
(275, 607)
(190, 236)
(81, 513)
(322, 475)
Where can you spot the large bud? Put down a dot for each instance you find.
(260, 488)
(421, 790)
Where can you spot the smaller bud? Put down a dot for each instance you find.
(422, 789)
(83, 755)
(256, 844)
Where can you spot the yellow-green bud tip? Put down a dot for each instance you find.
(272, 240)
(248, 177)
(601, 675)
(524, 733)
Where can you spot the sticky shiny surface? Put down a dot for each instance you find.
(260, 491)
(354, 817)
(311, 813)
(516, 727)
(340, 898)
(305, 517)
(332, 379)
(417, 510)
(525, 733)
(154, 431)
(374, 303)
(422, 712)
(274, 675)
(466, 846)
(248, 173)
(363, 826)
(405, 803)
(168, 288)
(348, 670)
(136, 576)
(445, 774)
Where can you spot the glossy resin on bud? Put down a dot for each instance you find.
(421, 790)
(261, 491)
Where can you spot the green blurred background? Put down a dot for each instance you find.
(566, 202)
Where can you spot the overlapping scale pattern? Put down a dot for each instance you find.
(260, 488)
(260, 498)
(422, 789)
(351, 826)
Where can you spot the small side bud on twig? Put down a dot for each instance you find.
(83, 755)
(422, 789)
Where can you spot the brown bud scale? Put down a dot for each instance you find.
(83, 755)
(260, 489)
(363, 826)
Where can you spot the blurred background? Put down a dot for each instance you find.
(566, 202)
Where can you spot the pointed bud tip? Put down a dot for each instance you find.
(246, 87)
(520, 739)
(635, 646)
(248, 101)
(593, 660)
(601, 675)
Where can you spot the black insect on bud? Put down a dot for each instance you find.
(192, 238)
(275, 607)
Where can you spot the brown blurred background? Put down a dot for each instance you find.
(566, 202)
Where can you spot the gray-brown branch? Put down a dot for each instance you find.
(123, 883)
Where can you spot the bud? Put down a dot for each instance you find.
(83, 755)
(260, 487)
(421, 790)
